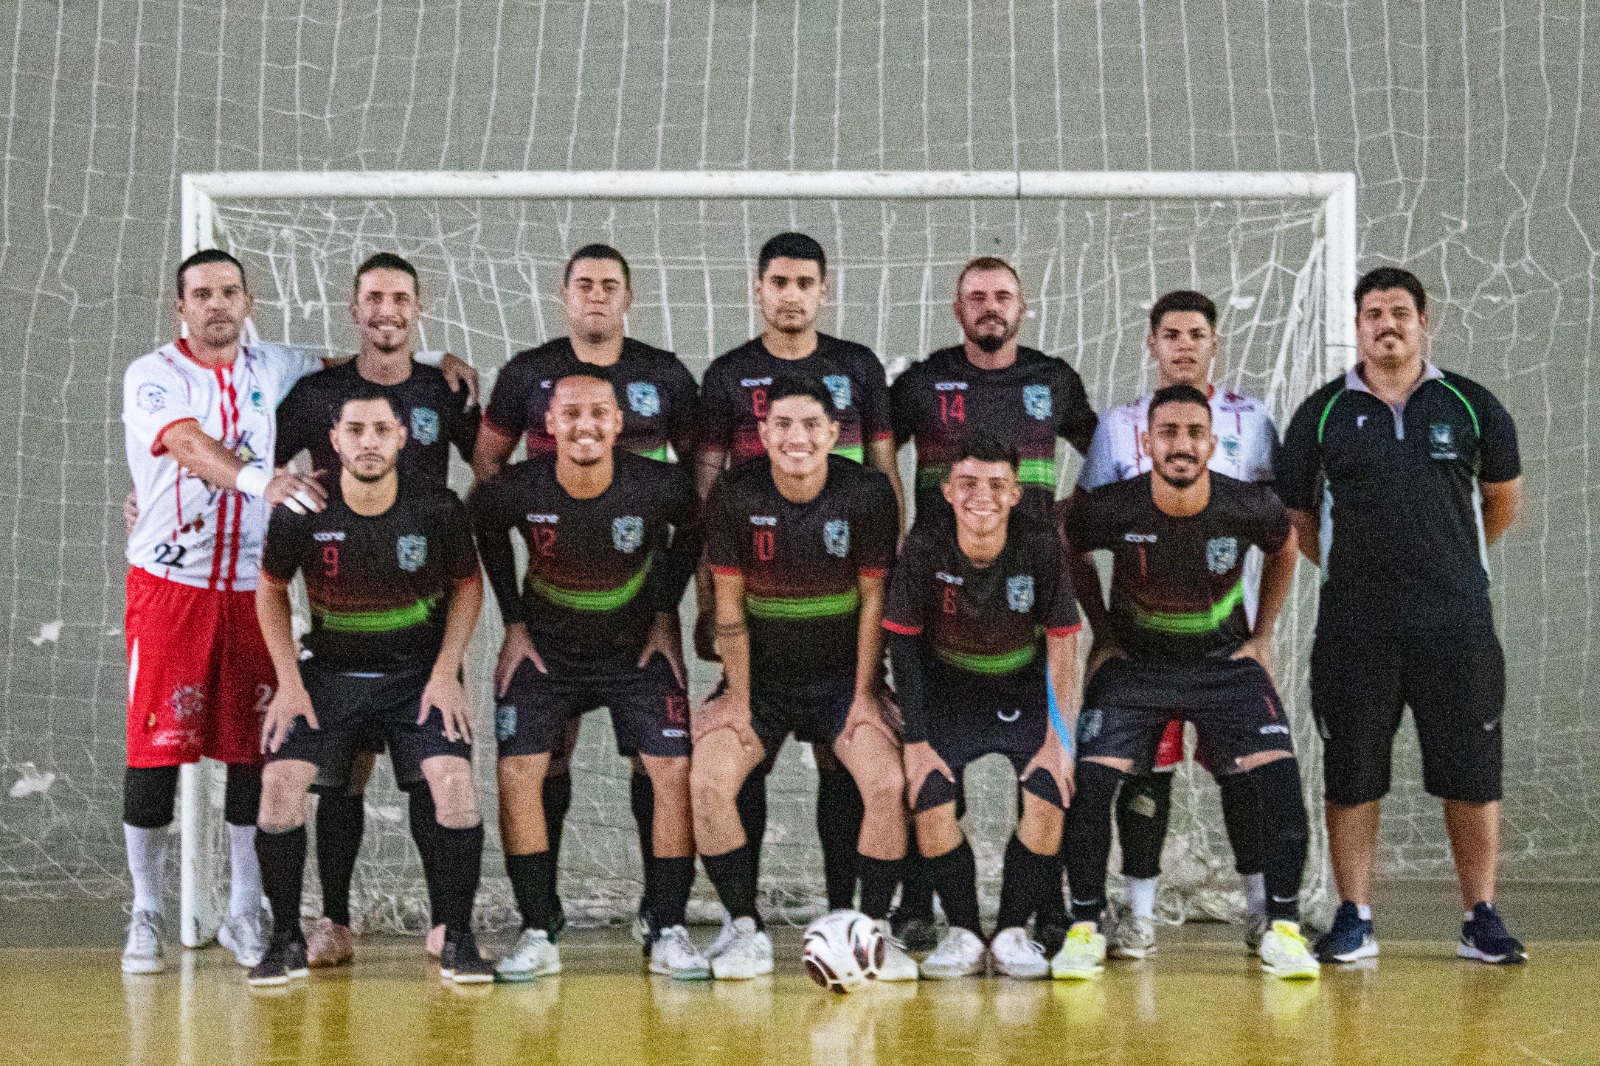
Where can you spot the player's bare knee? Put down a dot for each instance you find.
(1246, 763)
(669, 777)
(360, 773)
(284, 786)
(1122, 766)
(455, 798)
(884, 789)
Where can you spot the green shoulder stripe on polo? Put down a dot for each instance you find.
(1191, 623)
(1326, 411)
(856, 453)
(658, 454)
(787, 609)
(412, 614)
(1476, 429)
(1037, 472)
(1002, 663)
(595, 601)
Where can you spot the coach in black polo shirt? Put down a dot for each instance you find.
(1408, 472)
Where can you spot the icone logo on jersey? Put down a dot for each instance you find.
(542, 519)
(1139, 538)
(1222, 554)
(754, 383)
(644, 399)
(627, 533)
(151, 397)
(412, 552)
(836, 538)
(424, 425)
(1019, 592)
(762, 520)
(1036, 401)
(949, 386)
(839, 386)
(328, 534)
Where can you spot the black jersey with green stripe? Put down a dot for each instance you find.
(985, 625)
(1177, 584)
(801, 563)
(598, 569)
(1028, 404)
(1397, 492)
(379, 585)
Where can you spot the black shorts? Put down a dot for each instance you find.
(813, 711)
(649, 710)
(1232, 703)
(350, 708)
(1455, 685)
(964, 726)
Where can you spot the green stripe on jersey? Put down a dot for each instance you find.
(413, 614)
(787, 608)
(1477, 430)
(1003, 663)
(1191, 623)
(660, 454)
(853, 452)
(1037, 472)
(595, 601)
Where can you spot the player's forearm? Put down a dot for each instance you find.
(1062, 655)
(883, 455)
(1277, 576)
(708, 466)
(1308, 534)
(733, 638)
(490, 452)
(869, 636)
(910, 685)
(466, 602)
(202, 455)
(276, 619)
(1091, 599)
(1501, 502)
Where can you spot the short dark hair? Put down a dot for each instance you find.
(785, 387)
(985, 447)
(1385, 278)
(1182, 300)
(362, 390)
(585, 370)
(1177, 394)
(598, 251)
(791, 246)
(388, 261)
(209, 255)
(987, 262)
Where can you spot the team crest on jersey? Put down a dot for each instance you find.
(839, 386)
(412, 551)
(1230, 447)
(836, 537)
(187, 701)
(150, 397)
(258, 401)
(644, 399)
(627, 533)
(1444, 445)
(1036, 401)
(1019, 592)
(1222, 554)
(505, 721)
(424, 425)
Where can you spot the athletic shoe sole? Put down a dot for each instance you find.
(1367, 950)
(699, 974)
(1119, 952)
(142, 967)
(277, 979)
(1077, 975)
(1293, 973)
(1468, 951)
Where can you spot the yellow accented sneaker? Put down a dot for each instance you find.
(1083, 956)
(1285, 953)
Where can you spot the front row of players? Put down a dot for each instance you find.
(980, 620)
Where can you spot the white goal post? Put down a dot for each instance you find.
(201, 193)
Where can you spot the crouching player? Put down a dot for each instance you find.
(393, 581)
(977, 607)
(1180, 647)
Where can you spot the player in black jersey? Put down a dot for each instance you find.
(800, 544)
(384, 307)
(977, 606)
(1181, 647)
(393, 582)
(611, 547)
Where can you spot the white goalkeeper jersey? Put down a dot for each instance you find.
(1247, 441)
(190, 531)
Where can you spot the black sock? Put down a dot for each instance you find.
(556, 794)
(731, 875)
(1052, 920)
(1241, 817)
(424, 822)
(955, 877)
(1144, 808)
(672, 880)
(283, 869)
(642, 798)
(341, 820)
(839, 814)
(878, 880)
(1088, 844)
(1024, 880)
(752, 805)
(916, 891)
(458, 857)
(531, 880)
(1284, 831)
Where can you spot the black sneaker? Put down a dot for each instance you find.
(279, 964)
(916, 932)
(461, 962)
(1351, 938)
(1484, 939)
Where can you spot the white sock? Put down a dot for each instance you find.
(147, 862)
(244, 893)
(1364, 912)
(1255, 892)
(1142, 896)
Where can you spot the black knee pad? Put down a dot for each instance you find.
(241, 797)
(149, 794)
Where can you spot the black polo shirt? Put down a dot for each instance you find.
(1397, 489)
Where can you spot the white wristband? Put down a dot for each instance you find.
(252, 481)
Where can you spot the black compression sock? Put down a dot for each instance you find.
(341, 821)
(916, 891)
(752, 806)
(1024, 881)
(672, 880)
(839, 814)
(1144, 808)
(955, 877)
(1088, 842)
(424, 822)
(1241, 817)
(531, 879)
(283, 867)
(458, 857)
(878, 880)
(1284, 833)
(642, 798)
(730, 874)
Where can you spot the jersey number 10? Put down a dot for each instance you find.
(765, 545)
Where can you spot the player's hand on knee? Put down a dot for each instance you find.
(723, 712)
(921, 762)
(665, 639)
(457, 372)
(866, 711)
(130, 510)
(444, 691)
(705, 637)
(299, 493)
(287, 704)
(516, 649)
(1054, 759)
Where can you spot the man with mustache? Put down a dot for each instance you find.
(1399, 476)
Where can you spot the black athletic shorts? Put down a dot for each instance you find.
(1232, 703)
(649, 710)
(814, 711)
(350, 707)
(1455, 685)
(964, 726)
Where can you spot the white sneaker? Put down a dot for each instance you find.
(241, 934)
(1017, 956)
(532, 956)
(143, 952)
(896, 964)
(674, 955)
(723, 938)
(1082, 956)
(1133, 936)
(748, 953)
(959, 954)
(1285, 953)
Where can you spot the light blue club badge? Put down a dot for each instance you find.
(1019, 592)
(1222, 554)
(505, 721)
(836, 538)
(839, 386)
(644, 399)
(627, 533)
(412, 552)
(424, 425)
(1036, 401)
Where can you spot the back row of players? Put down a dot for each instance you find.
(797, 508)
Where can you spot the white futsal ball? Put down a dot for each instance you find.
(842, 950)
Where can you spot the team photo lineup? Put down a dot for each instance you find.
(903, 629)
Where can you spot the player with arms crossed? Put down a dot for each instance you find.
(385, 307)
(1413, 472)
(800, 544)
(1185, 650)
(392, 578)
(1183, 343)
(976, 607)
(611, 548)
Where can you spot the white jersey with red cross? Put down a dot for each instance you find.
(190, 531)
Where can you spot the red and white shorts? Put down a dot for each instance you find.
(199, 676)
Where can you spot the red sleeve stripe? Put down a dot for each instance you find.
(157, 448)
(904, 631)
(1064, 631)
(887, 434)
(873, 571)
(489, 423)
(727, 571)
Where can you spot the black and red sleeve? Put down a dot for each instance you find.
(286, 535)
